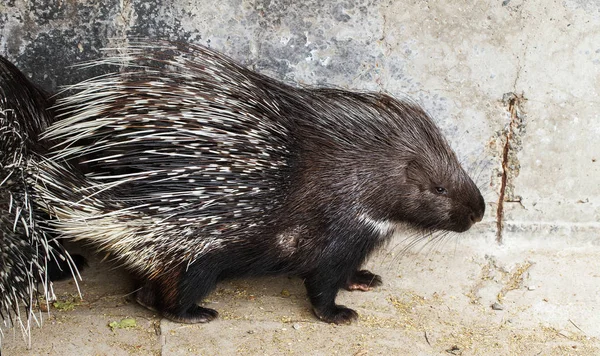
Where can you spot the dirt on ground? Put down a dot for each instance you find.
(448, 300)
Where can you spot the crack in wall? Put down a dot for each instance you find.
(125, 19)
(510, 164)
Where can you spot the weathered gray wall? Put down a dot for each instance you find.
(457, 58)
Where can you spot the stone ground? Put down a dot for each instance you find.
(436, 300)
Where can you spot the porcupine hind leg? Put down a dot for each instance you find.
(58, 268)
(175, 296)
(363, 280)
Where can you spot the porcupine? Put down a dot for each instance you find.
(221, 172)
(30, 255)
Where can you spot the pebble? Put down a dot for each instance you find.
(497, 306)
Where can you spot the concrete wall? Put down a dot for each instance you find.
(513, 83)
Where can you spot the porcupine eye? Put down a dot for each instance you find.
(441, 190)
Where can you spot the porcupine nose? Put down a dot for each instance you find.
(475, 218)
(478, 209)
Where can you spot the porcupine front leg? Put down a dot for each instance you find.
(338, 269)
(322, 288)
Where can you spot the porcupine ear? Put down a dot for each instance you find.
(415, 172)
(28, 251)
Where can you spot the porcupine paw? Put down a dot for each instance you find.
(195, 314)
(337, 314)
(363, 280)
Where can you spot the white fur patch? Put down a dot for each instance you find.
(288, 240)
(382, 227)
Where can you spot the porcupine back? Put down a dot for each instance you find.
(193, 156)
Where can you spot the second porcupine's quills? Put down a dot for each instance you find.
(202, 170)
(30, 255)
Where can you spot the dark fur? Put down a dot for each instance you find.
(343, 162)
